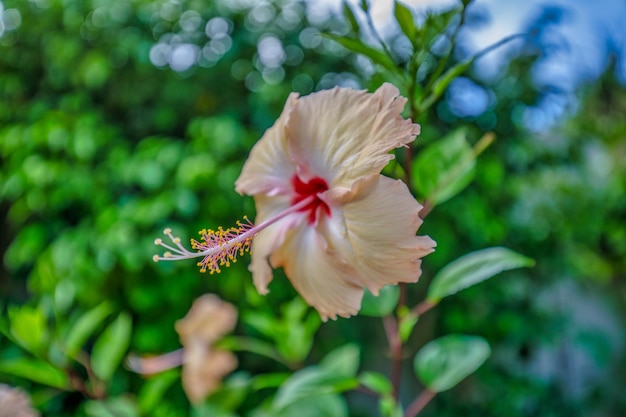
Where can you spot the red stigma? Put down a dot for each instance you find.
(312, 188)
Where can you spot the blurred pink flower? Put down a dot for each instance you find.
(15, 403)
(204, 365)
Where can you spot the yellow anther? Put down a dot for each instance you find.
(167, 231)
(155, 258)
(158, 241)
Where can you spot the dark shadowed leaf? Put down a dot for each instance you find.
(472, 269)
(382, 305)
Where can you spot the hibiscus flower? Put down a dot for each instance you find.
(324, 212)
(204, 365)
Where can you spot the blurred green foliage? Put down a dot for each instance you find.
(120, 118)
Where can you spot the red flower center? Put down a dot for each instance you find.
(312, 188)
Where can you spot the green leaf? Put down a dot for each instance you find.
(84, 328)
(382, 305)
(365, 5)
(123, 406)
(311, 382)
(389, 407)
(472, 269)
(272, 380)
(405, 20)
(407, 323)
(344, 360)
(35, 370)
(153, 391)
(443, 363)
(109, 349)
(28, 327)
(441, 84)
(445, 168)
(350, 18)
(376, 382)
(357, 46)
(232, 392)
(331, 405)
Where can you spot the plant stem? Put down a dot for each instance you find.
(419, 403)
(395, 351)
(422, 307)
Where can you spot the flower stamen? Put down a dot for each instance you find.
(220, 247)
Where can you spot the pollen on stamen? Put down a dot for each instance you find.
(216, 247)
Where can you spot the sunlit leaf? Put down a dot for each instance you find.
(472, 269)
(443, 363)
(85, 327)
(28, 327)
(406, 21)
(382, 305)
(444, 168)
(35, 370)
(109, 349)
(350, 18)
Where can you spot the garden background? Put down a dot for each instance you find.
(119, 118)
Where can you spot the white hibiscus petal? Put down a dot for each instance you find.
(268, 169)
(270, 239)
(325, 281)
(376, 234)
(345, 135)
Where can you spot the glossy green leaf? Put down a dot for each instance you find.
(406, 21)
(382, 305)
(109, 349)
(85, 327)
(311, 382)
(444, 168)
(472, 269)
(344, 360)
(35, 370)
(443, 363)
